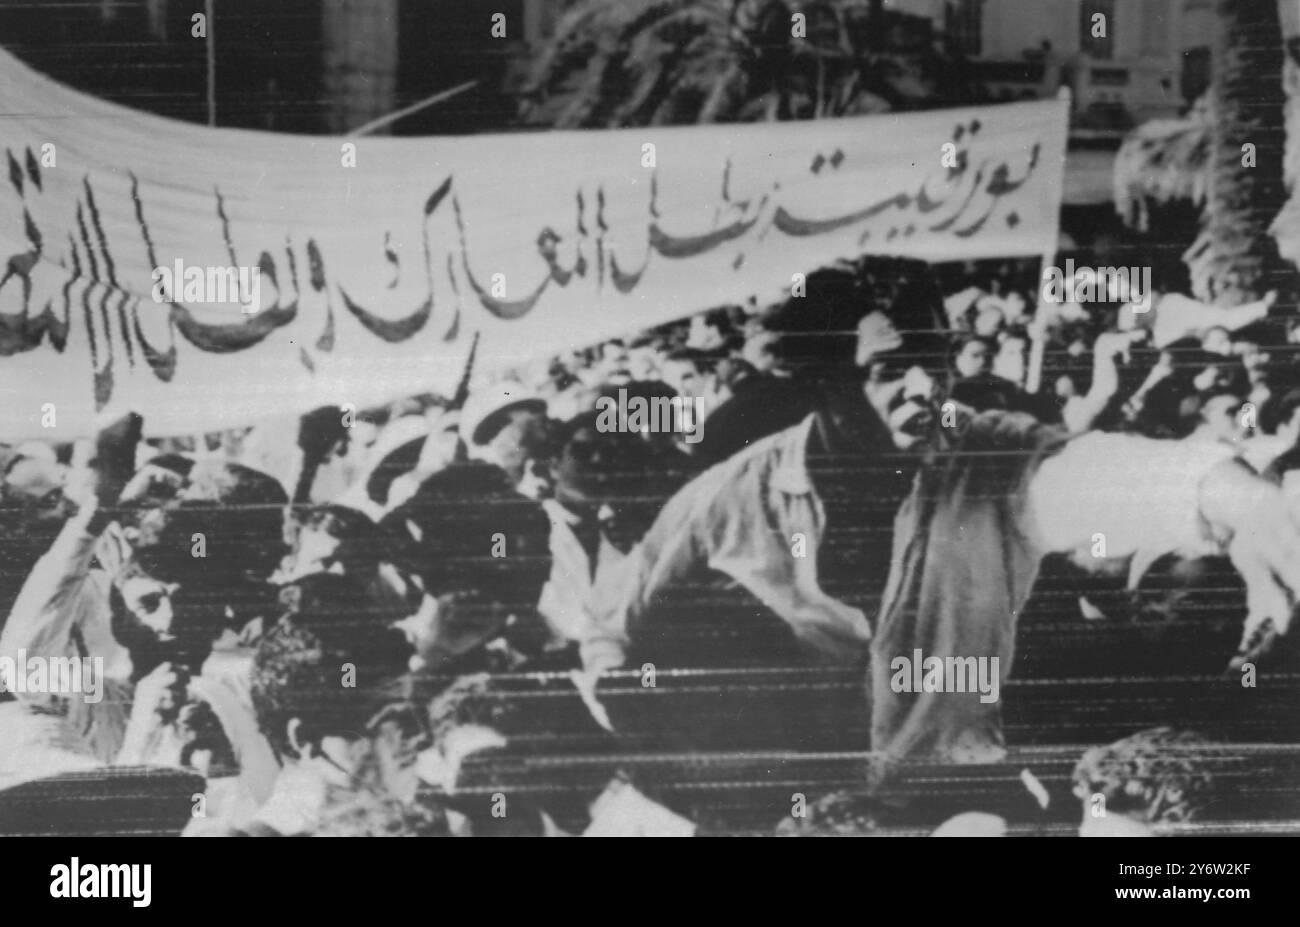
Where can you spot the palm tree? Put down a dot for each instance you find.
(1286, 227)
(360, 52)
(1235, 259)
(1161, 162)
(617, 63)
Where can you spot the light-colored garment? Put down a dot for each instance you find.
(963, 565)
(967, 546)
(622, 811)
(1177, 316)
(272, 447)
(63, 594)
(294, 806)
(746, 518)
(64, 600)
(258, 766)
(1137, 496)
(1260, 450)
(568, 600)
(35, 745)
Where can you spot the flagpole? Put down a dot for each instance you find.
(413, 108)
(1038, 330)
(212, 64)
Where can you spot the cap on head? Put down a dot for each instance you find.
(488, 409)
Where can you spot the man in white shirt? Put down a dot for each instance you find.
(1175, 316)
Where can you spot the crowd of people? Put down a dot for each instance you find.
(303, 611)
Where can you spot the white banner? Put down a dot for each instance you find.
(127, 242)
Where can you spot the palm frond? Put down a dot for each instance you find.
(639, 62)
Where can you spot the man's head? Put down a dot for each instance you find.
(860, 328)
(758, 351)
(325, 662)
(199, 564)
(1155, 776)
(1217, 340)
(819, 332)
(614, 362)
(911, 421)
(711, 330)
(481, 552)
(974, 357)
(1010, 363)
(340, 609)
(327, 711)
(691, 372)
(523, 448)
(1221, 417)
(618, 479)
(507, 425)
(1015, 308)
(989, 320)
(31, 494)
(1251, 345)
(333, 537)
(159, 621)
(595, 467)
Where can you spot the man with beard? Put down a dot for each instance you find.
(146, 611)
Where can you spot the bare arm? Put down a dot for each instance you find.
(50, 603)
(44, 613)
(1079, 416)
(1179, 316)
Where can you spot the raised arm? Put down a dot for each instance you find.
(1178, 316)
(1079, 415)
(1263, 542)
(49, 606)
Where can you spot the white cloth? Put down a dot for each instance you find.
(33, 746)
(567, 602)
(1140, 495)
(622, 811)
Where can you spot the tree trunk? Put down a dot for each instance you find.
(876, 20)
(1286, 228)
(360, 75)
(1235, 259)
